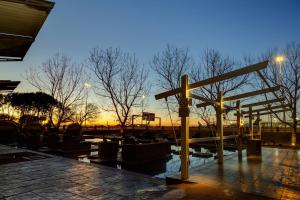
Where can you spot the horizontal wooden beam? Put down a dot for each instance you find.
(200, 105)
(167, 94)
(250, 94)
(229, 137)
(211, 102)
(204, 139)
(268, 113)
(208, 102)
(265, 109)
(263, 103)
(229, 75)
(222, 77)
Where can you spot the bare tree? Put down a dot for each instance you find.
(83, 113)
(289, 80)
(6, 110)
(120, 80)
(213, 64)
(61, 79)
(170, 65)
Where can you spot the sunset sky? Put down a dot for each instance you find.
(234, 27)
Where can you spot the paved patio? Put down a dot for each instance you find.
(276, 176)
(62, 178)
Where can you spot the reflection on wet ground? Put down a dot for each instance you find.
(57, 177)
(159, 168)
(275, 175)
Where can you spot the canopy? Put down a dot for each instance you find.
(20, 22)
(8, 86)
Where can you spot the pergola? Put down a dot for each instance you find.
(185, 92)
(20, 22)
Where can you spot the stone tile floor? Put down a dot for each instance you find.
(63, 178)
(275, 176)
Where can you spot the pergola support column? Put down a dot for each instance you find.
(239, 131)
(250, 123)
(220, 109)
(184, 114)
(258, 125)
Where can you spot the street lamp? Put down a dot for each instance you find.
(280, 59)
(87, 85)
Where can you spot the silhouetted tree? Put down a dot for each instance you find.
(2, 100)
(63, 80)
(6, 110)
(83, 113)
(289, 80)
(32, 103)
(170, 65)
(120, 80)
(35, 105)
(214, 64)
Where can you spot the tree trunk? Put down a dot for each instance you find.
(294, 128)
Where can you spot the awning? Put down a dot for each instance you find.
(8, 86)
(20, 22)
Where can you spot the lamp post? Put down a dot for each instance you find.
(280, 59)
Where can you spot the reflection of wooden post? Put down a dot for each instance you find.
(220, 127)
(184, 114)
(284, 119)
(271, 117)
(250, 123)
(258, 126)
(239, 132)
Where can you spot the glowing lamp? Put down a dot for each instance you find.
(279, 59)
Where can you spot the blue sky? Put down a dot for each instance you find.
(235, 27)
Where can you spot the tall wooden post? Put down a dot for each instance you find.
(239, 132)
(250, 123)
(220, 127)
(184, 114)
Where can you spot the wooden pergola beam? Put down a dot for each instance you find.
(211, 102)
(253, 93)
(200, 105)
(208, 101)
(229, 75)
(265, 109)
(268, 113)
(262, 103)
(222, 77)
(245, 95)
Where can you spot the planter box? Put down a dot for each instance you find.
(108, 150)
(254, 147)
(142, 153)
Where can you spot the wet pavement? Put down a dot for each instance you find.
(62, 178)
(275, 176)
